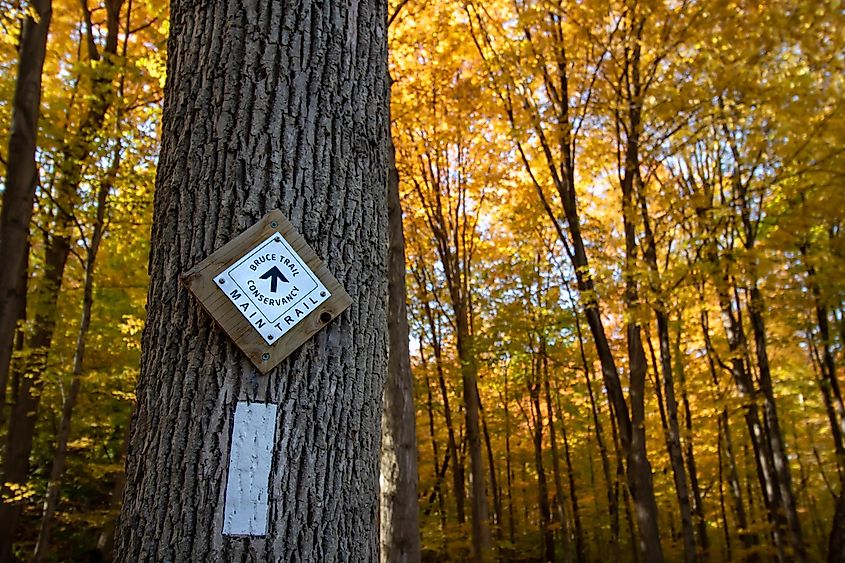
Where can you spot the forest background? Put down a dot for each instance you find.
(624, 235)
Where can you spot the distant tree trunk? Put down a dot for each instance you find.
(20, 184)
(451, 231)
(400, 524)
(280, 115)
(451, 444)
(75, 151)
(542, 485)
(836, 553)
(727, 552)
(494, 486)
(633, 434)
(439, 470)
(105, 543)
(51, 497)
(581, 554)
(737, 345)
(508, 469)
(559, 152)
(580, 546)
(469, 372)
(775, 434)
(673, 432)
(612, 496)
(748, 539)
(698, 501)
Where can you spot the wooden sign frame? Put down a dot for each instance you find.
(200, 282)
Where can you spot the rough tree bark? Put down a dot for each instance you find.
(267, 105)
(400, 522)
(21, 179)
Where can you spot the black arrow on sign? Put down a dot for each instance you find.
(275, 275)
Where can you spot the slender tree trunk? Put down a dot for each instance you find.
(581, 552)
(494, 486)
(775, 434)
(673, 432)
(836, 554)
(561, 170)
(638, 467)
(75, 152)
(93, 246)
(612, 496)
(400, 524)
(832, 395)
(19, 188)
(437, 490)
(762, 453)
(289, 116)
(698, 501)
(546, 531)
(508, 469)
(580, 544)
(674, 439)
(722, 505)
(105, 543)
(451, 445)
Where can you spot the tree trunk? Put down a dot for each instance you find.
(480, 520)
(508, 469)
(580, 546)
(581, 555)
(836, 553)
(673, 432)
(673, 440)
(264, 112)
(494, 485)
(105, 543)
(75, 152)
(612, 496)
(775, 434)
(698, 501)
(451, 444)
(766, 475)
(21, 181)
(639, 477)
(400, 524)
(93, 246)
(542, 486)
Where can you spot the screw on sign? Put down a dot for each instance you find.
(278, 292)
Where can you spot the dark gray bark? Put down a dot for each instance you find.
(267, 105)
(21, 180)
(400, 523)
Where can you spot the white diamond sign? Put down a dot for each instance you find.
(272, 287)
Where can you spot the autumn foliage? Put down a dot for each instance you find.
(624, 246)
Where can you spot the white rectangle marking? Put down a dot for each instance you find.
(250, 457)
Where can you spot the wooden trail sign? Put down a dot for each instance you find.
(267, 290)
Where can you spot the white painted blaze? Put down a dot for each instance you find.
(250, 457)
